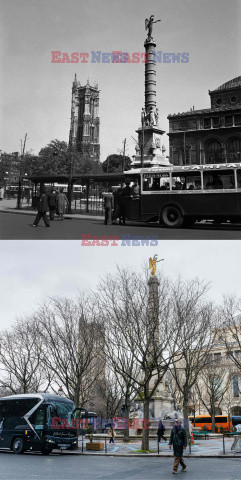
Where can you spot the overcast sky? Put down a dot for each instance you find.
(36, 94)
(32, 270)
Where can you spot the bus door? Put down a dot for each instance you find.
(38, 421)
(131, 199)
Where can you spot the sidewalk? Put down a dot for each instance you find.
(9, 206)
(201, 448)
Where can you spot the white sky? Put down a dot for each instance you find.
(36, 95)
(32, 270)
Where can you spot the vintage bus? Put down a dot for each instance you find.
(206, 421)
(180, 195)
(37, 422)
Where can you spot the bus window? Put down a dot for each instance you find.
(156, 181)
(218, 180)
(37, 418)
(186, 181)
(239, 178)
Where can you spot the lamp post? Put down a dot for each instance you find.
(20, 174)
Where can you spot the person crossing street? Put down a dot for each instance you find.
(178, 439)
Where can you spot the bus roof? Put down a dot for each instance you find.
(41, 396)
(174, 168)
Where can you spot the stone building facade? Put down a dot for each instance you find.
(211, 135)
(85, 121)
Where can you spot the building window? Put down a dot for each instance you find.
(234, 145)
(233, 150)
(237, 119)
(233, 99)
(228, 120)
(236, 385)
(216, 122)
(213, 152)
(219, 101)
(207, 122)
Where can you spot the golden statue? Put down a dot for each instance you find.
(152, 264)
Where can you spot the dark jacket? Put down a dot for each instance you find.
(178, 439)
(52, 199)
(44, 203)
(127, 191)
(161, 429)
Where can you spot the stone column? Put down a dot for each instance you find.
(150, 75)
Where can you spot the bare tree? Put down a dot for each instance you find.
(195, 336)
(111, 394)
(140, 334)
(229, 328)
(20, 359)
(71, 346)
(212, 386)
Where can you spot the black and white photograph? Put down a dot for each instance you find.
(120, 231)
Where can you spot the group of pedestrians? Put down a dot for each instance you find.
(115, 204)
(53, 202)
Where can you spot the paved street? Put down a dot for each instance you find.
(20, 227)
(63, 467)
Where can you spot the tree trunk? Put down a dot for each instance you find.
(213, 422)
(145, 431)
(126, 437)
(185, 414)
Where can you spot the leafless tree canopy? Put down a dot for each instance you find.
(71, 344)
(20, 360)
(195, 314)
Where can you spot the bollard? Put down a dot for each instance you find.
(190, 448)
(82, 449)
(158, 447)
(223, 445)
(105, 446)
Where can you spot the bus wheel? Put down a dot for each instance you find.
(18, 445)
(172, 217)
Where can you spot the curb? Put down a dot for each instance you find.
(155, 455)
(66, 217)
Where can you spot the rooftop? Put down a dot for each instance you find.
(234, 83)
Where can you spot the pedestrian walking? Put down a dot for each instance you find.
(52, 204)
(43, 208)
(62, 202)
(112, 434)
(108, 206)
(178, 439)
(160, 431)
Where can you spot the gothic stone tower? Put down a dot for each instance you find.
(84, 125)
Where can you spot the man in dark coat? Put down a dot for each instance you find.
(160, 431)
(178, 439)
(127, 193)
(52, 204)
(43, 208)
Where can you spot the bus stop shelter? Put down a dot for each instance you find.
(88, 199)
